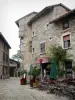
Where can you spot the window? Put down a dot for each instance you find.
(7, 58)
(3, 56)
(33, 33)
(22, 38)
(30, 46)
(33, 50)
(42, 47)
(65, 24)
(66, 40)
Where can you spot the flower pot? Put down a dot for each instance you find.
(31, 82)
(23, 81)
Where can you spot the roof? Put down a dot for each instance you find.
(14, 60)
(67, 15)
(2, 37)
(17, 22)
(45, 11)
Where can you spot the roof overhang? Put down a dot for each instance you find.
(67, 15)
(45, 11)
(2, 37)
(17, 21)
(14, 60)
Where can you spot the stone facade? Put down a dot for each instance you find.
(58, 32)
(40, 31)
(4, 57)
(70, 30)
(43, 31)
(14, 68)
(25, 37)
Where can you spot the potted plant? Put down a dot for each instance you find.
(35, 73)
(59, 55)
(23, 77)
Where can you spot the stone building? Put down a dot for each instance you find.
(25, 36)
(36, 33)
(4, 57)
(66, 34)
(14, 68)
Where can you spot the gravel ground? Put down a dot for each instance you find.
(10, 89)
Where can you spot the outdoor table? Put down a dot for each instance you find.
(44, 83)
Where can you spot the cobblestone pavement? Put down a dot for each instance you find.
(10, 89)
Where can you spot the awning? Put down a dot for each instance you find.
(42, 60)
(67, 37)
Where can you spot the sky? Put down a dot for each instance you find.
(12, 10)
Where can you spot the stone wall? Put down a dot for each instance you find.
(59, 11)
(45, 32)
(58, 32)
(4, 49)
(25, 32)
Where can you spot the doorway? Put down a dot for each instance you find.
(68, 67)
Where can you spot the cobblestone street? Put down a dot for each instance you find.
(11, 89)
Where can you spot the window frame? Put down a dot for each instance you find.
(7, 58)
(30, 46)
(4, 57)
(33, 50)
(33, 34)
(42, 51)
(64, 34)
(22, 38)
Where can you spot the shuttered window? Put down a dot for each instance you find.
(42, 47)
(66, 40)
(3, 56)
(30, 46)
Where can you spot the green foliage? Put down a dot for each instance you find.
(36, 57)
(36, 71)
(73, 68)
(18, 56)
(48, 66)
(59, 55)
(61, 73)
(29, 73)
(23, 72)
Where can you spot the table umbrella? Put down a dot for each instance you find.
(31, 69)
(53, 70)
(42, 60)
